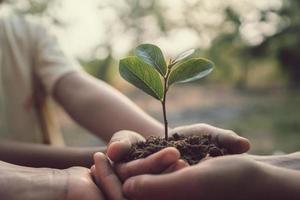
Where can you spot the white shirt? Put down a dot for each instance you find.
(31, 62)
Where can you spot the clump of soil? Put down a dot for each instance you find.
(192, 148)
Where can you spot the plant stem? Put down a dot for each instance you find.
(165, 116)
(163, 102)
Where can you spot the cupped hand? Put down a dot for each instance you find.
(122, 141)
(229, 177)
(109, 178)
(165, 161)
(228, 139)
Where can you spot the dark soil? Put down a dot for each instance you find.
(192, 148)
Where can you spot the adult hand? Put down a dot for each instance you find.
(80, 185)
(228, 139)
(122, 141)
(229, 177)
(26, 183)
(219, 178)
(164, 161)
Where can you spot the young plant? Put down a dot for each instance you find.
(149, 71)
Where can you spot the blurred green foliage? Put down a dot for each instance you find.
(251, 53)
(284, 45)
(236, 58)
(99, 68)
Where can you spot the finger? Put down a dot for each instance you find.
(94, 175)
(232, 142)
(224, 138)
(106, 179)
(153, 164)
(121, 143)
(180, 164)
(139, 187)
(173, 186)
(93, 170)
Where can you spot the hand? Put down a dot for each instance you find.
(26, 183)
(228, 139)
(121, 141)
(81, 185)
(228, 177)
(164, 161)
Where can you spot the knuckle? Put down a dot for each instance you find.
(135, 137)
(205, 127)
(231, 133)
(126, 135)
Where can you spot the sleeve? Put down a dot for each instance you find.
(51, 62)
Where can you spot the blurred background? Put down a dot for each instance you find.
(255, 44)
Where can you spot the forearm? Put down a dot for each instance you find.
(36, 155)
(102, 109)
(288, 161)
(23, 183)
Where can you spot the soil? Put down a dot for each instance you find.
(192, 148)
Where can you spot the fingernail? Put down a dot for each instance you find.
(99, 154)
(171, 156)
(116, 150)
(244, 144)
(184, 162)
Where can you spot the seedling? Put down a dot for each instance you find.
(148, 71)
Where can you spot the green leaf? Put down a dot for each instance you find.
(153, 56)
(190, 70)
(142, 76)
(186, 55)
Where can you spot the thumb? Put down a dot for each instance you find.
(121, 143)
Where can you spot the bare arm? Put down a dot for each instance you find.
(96, 106)
(100, 108)
(38, 155)
(288, 161)
(25, 183)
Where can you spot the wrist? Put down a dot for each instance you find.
(289, 161)
(56, 184)
(33, 183)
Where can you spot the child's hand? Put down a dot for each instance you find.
(122, 141)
